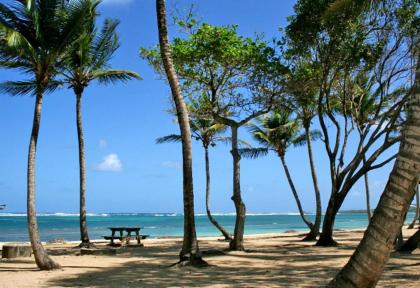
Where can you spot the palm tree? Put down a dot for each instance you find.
(88, 61)
(277, 132)
(304, 102)
(190, 252)
(35, 35)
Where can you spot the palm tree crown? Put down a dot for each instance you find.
(90, 55)
(35, 36)
(276, 131)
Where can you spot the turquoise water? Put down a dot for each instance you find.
(66, 226)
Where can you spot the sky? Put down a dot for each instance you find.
(126, 170)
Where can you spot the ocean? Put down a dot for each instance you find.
(66, 226)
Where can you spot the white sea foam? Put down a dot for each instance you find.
(63, 214)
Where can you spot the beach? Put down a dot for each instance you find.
(271, 260)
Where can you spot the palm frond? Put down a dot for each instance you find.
(112, 76)
(299, 140)
(316, 135)
(173, 138)
(105, 44)
(253, 152)
(18, 88)
(228, 140)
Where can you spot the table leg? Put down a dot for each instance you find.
(138, 237)
(128, 238)
(112, 237)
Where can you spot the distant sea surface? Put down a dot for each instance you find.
(66, 226)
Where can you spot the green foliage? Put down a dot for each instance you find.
(88, 57)
(35, 36)
(277, 131)
(303, 88)
(233, 73)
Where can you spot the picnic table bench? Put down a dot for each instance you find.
(127, 237)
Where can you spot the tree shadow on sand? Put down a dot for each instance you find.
(274, 264)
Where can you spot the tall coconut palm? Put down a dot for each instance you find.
(277, 132)
(88, 61)
(35, 35)
(304, 102)
(190, 252)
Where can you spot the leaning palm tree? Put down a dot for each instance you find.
(190, 252)
(392, 207)
(35, 35)
(277, 132)
(88, 60)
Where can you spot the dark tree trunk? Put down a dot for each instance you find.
(367, 190)
(42, 259)
(294, 192)
(367, 263)
(190, 252)
(84, 236)
(212, 220)
(237, 243)
(411, 244)
(399, 242)
(326, 237)
(417, 216)
(315, 229)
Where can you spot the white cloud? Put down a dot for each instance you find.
(103, 143)
(111, 163)
(117, 2)
(171, 165)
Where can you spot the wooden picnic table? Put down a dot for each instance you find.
(127, 237)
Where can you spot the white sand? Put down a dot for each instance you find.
(273, 260)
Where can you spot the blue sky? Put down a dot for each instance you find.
(126, 170)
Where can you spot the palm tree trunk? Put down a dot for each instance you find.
(411, 244)
(212, 220)
(42, 259)
(295, 195)
(84, 236)
(237, 243)
(190, 252)
(369, 211)
(367, 263)
(315, 228)
(417, 216)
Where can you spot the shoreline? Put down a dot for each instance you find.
(253, 236)
(163, 239)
